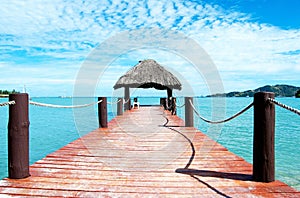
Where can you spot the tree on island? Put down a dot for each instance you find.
(297, 94)
(6, 92)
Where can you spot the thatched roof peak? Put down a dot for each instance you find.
(148, 74)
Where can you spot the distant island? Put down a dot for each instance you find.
(5, 93)
(279, 90)
(297, 95)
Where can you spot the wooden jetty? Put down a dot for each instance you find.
(146, 152)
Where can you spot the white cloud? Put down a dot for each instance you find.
(65, 32)
(2, 64)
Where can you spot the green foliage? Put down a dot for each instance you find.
(297, 95)
(6, 92)
(279, 90)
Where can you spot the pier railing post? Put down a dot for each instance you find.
(18, 137)
(102, 112)
(189, 112)
(127, 105)
(263, 143)
(120, 106)
(173, 106)
(163, 102)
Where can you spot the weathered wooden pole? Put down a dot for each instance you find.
(169, 93)
(120, 106)
(263, 143)
(127, 105)
(189, 112)
(102, 112)
(163, 102)
(173, 106)
(18, 137)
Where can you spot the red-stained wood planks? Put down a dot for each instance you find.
(145, 152)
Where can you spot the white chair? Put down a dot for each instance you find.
(135, 102)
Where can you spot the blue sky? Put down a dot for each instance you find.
(43, 44)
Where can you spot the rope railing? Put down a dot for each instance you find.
(7, 103)
(62, 106)
(220, 121)
(284, 106)
(111, 103)
(180, 105)
(264, 128)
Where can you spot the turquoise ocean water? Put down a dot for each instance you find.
(52, 128)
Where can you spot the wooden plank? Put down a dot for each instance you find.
(143, 160)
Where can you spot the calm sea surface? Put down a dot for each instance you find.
(52, 128)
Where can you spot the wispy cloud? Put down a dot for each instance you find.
(291, 53)
(51, 39)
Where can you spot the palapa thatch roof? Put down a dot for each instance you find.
(148, 74)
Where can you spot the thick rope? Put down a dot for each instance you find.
(111, 103)
(61, 106)
(221, 121)
(285, 106)
(180, 106)
(7, 103)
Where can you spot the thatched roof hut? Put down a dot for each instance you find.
(148, 74)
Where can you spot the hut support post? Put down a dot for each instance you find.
(120, 106)
(127, 104)
(189, 112)
(18, 137)
(163, 103)
(263, 143)
(169, 99)
(173, 106)
(102, 112)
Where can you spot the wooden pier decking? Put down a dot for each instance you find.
(144, 153)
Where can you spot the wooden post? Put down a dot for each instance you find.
(169, 93)
(173, 106)
(102, 112)
(263, 143)
(18, 137)
(163, 103)
(127, 104)
(120, 106)
(189, 112)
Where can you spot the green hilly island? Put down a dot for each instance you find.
(5, 93)
(279, 90)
